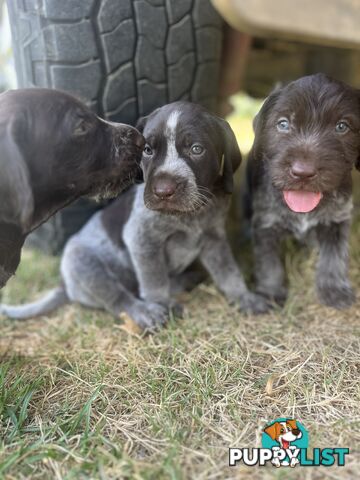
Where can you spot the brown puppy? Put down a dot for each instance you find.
(53, 150)
(307, 141)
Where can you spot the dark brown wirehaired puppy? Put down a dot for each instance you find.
(306, 144)
(53, 150)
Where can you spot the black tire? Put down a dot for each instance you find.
(123, 58)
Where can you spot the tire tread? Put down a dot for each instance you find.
(123, 59)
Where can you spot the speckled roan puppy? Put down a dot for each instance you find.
(306, 144)
(132, 256)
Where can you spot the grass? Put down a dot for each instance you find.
(82, 399)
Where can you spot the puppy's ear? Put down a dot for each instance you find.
(271, 431)
(231, 156)
(357, 161)
(140, 124)
(255, 122)
(292, 423)
(260, 118)
(142, 121)
(16, 198)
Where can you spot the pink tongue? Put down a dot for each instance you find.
(285, 444)
(301, 201)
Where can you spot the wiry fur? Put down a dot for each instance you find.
(53, 150)
(313, 105)
(132, 256)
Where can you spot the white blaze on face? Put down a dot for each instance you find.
(288, 435)
(284, 426)
(174, 164)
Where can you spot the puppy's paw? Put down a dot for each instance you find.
(253, 303)
(149, 316)
(176, 309)
(276, 294)
(336, 296)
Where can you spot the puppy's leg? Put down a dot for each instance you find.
(332, 281)
(187, 280)
(91, 282)
(217, 258)
(269, 270)
(151, 271)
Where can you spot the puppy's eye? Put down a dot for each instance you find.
(197, 149)
(342, 127)
(147, 150)
(283, 125)
(282, 430)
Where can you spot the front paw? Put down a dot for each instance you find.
(276, 294)
(336, 296)
(176, 309)
(253, 303)
(149, 316)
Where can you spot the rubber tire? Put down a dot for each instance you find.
(123, 59)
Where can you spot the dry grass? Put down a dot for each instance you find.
(80, 398)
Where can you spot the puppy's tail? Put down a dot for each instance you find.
(51, 301)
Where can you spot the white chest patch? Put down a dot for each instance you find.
(304, 223)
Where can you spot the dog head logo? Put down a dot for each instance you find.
(284, 432)
(285, 443)
(285, 437)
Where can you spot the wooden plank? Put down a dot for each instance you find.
(323, 22)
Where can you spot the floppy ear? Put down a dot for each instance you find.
(255, 122)
(231, 156)
(271, 431)
(357, 163)
(292, 423)
(260, 118)
(142, 121)
(16, 199)
(140, 124)
(259, 122)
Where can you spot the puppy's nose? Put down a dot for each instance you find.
(302, 170)
(295, 431)
(164, 187)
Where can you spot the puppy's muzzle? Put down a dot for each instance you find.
(168, 193)
(164, 187)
